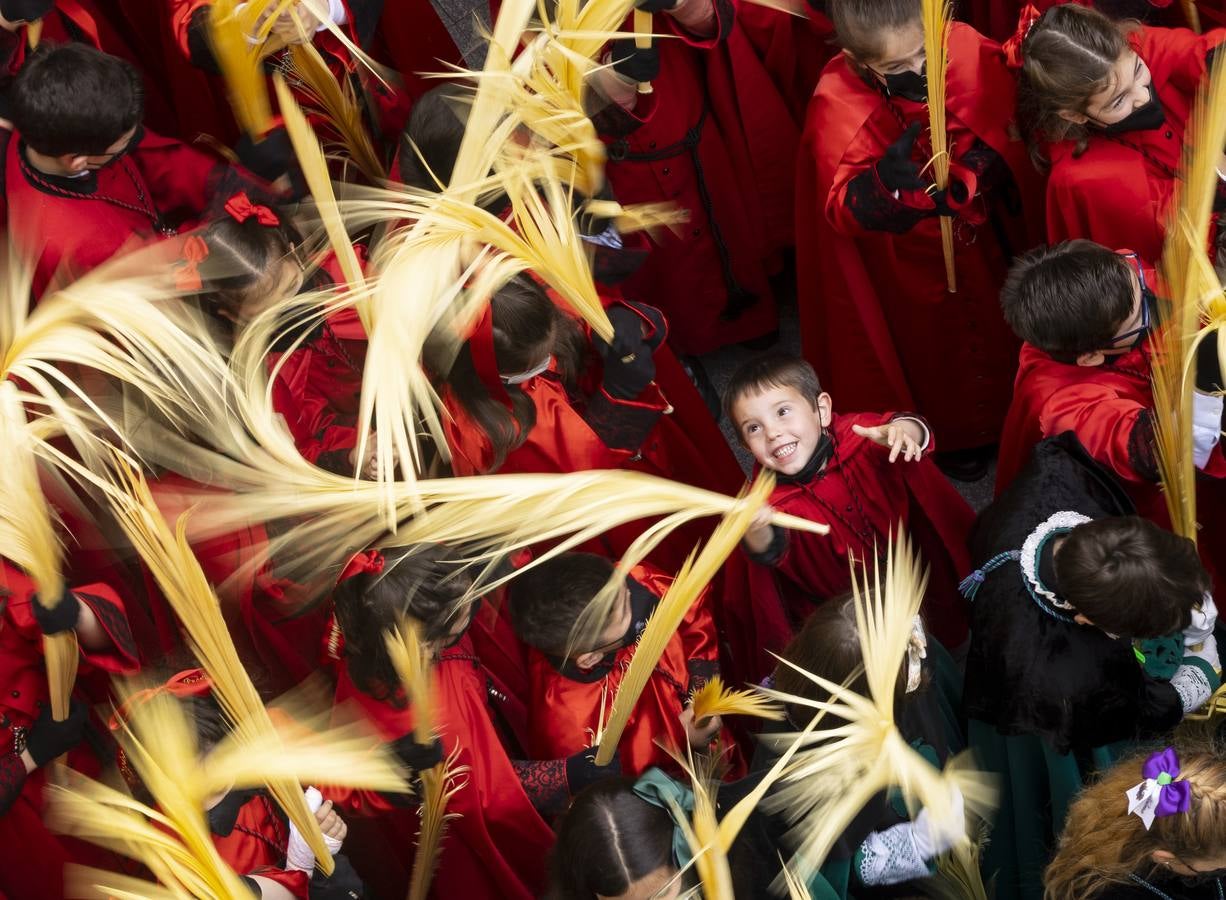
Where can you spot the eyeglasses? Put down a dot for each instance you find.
(1131, 337)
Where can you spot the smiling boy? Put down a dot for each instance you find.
(866, 475)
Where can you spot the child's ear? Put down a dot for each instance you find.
(74, 164)
(1162, 857)
(1076, 118)
(825, 409)
(1091, 359)
(588, 661)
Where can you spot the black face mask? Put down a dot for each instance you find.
(908, 85)
(1202, 877)
(1147, 118)
(821, 455)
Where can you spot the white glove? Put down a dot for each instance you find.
(933, 838)
(1203, 620)
(1206, 650)
(298, 855)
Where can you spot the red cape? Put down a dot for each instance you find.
(683, 275)
(565, 714)
(794, 50)
(498, 845)
(257, 844)
(1112, 193)
(877, 321)
(31, 857)
(1100, 405)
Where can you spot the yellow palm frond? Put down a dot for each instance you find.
(714, 699)
(937, 15)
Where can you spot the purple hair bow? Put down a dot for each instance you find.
(1159, 794)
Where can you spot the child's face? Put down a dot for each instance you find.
(614, 635)
(1127, 89)
(902, 50)
(1130, 333)
(781, 427)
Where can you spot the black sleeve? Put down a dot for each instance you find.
(877, 209)
(12, 779)
(621, 425)
(1142, 455)
(545, 784)
(772, 554)
(364, 17)
(199, 51)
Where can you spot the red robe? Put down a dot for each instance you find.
(257, 845)
(140, 196)
(685, 444)
(793, 49)
(1114, 193)
(998, 18)
(1101, 406)
(877, 320)
(565, 713)
(200, 96)
(498, 846)
(684, 275)
(31, 857)
(864, 499)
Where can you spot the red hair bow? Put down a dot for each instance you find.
(1013, 46)
(241, 209)
(365, 561)
(195, 251)
(188, 683)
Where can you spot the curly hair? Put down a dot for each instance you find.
(1102, 844)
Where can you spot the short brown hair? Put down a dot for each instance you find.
(860, 23)
(771, 370)
(1130, 577)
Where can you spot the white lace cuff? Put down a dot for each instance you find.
(891, 857)
(1192, 685)
(1206, 427)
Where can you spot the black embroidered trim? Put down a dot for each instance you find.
(1142, 447)
(545, 784)
(700, 671)
(114, 621)
(876, 209)
(12, 779)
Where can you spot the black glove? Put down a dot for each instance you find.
(590, 224)
(628, 366)
(418, 757)
(581, 769)
(271, 157)
(659, 325)
(655, 6)
(62, 617)
(897, 171)
(342, 884)
(1209, 365)
(636, 63)
(49, 739)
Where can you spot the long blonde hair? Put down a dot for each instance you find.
(1102, 844)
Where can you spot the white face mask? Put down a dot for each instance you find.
(542, 366)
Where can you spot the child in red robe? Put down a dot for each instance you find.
(560, 400)
(877, 317)
(1085, 313)
(866, 475)
(80, 188)
(570, 694)
(497, 847)
(1105, 105)
(31, 858)
(684, 142)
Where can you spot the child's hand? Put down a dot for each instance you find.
(761, 531)
(699, 733)
(902, 436)
(330, 823)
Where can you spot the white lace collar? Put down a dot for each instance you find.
(1063, 521)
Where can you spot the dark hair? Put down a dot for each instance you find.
(436, 127)
(422, 582)
(770, 370)
(827, 644)
(1068, 299)
(859, 24)
(608, 839)
(525, 318)
(243, 260)
(73, 99)
(1067, 58)
(1130, 577)
(546, 600)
